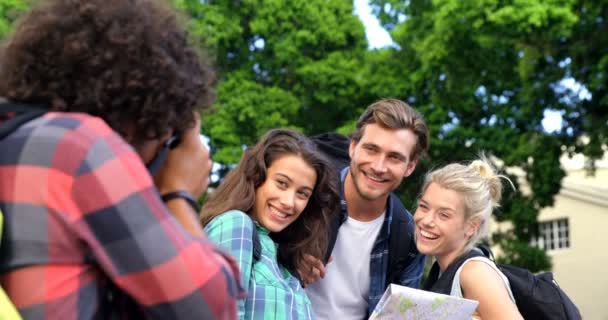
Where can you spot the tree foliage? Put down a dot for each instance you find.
(281, 63)
(483, 72)
(9, 12)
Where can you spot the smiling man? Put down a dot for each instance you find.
(389, 139)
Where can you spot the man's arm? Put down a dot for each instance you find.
(139, 244)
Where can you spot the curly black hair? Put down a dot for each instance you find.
(126, 61)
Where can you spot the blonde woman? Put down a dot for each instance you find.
(452, 216)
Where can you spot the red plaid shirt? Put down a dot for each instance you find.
(80, 208)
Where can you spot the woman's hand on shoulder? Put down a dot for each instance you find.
(482, 283)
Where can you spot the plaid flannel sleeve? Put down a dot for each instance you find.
(136, 241)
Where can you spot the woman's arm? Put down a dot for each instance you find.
(233, 233)
(482, 283)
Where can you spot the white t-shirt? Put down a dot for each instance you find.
(343, 293)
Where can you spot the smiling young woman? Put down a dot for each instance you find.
(452, 216)
(284, 191)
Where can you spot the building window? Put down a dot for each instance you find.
(553, 235)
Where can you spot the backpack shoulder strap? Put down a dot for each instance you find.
(443, 283)
(18, 115)
(401, 247)
(487, 252)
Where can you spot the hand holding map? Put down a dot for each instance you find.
(403, 303)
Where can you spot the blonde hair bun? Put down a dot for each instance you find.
(488, 174)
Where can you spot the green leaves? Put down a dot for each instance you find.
(281, 64)
(554, 18)
(244, 112)
(9, 12)
(483, 72)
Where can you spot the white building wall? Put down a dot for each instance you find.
(581, 269)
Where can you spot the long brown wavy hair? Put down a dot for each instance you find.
(309, 233)
(126, 61)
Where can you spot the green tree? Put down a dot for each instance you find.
(9, 11)
(584, 57)
(281, 63)
(484, 72)
(245, 110)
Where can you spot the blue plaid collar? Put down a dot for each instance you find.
(388, 218)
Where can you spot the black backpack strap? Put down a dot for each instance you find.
(18, 115)
(486, 251)
(432, 277)
(401, 246)
(443, 283)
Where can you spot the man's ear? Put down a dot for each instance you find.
(410, 167)
(351, 148)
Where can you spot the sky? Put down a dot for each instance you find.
(377, 37)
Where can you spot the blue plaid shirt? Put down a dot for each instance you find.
(378, 265)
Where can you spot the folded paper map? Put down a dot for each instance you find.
(399, 302)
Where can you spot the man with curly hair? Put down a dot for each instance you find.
(84, 220)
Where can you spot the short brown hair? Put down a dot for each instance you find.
(395, 114)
